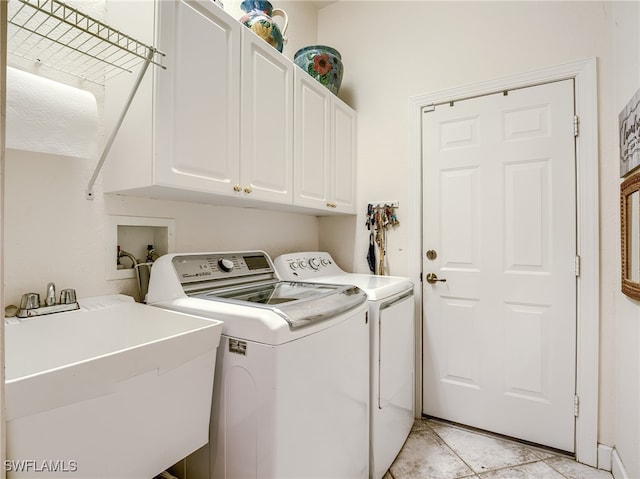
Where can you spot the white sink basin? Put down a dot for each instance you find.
(122, 391)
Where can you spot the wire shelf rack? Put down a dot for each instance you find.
(63, 38)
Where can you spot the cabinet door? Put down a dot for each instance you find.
(197, 98)
(267, 121)
(343, 157)
(129, 163)
(311, 144)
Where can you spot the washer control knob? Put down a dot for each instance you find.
(225, 264)
(325, 262)
(302, 263)
(314, 263)
(293, 265)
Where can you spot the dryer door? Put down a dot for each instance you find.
(396, 358)
(392, 380)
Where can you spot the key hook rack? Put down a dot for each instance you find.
(381, 216)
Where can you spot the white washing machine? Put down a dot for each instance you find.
(392, 346)
(291, 390)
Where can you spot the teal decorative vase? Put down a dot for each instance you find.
(258, 17)
(322, 63)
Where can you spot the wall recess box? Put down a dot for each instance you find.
(133, 234)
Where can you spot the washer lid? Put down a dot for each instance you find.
(319, 267)
(298, 303)
(376, 287)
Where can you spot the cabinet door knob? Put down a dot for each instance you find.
(332, 205)
(248, 190)
(237, 188)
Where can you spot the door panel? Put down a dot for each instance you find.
(527, 216)
(460, 229)
(499, 208)
(462, 351)
(527, 371)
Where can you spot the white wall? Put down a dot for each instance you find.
(626, 68)
(419, 47)
(54, 234)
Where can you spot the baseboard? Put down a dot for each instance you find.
(604, 457)
(609, 460)
(617, 468)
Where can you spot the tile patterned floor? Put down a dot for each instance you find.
(437, 450)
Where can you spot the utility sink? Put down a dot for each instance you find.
(114, 390)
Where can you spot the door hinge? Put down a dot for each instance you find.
(421, 277)
(577, 266)
(576, 405)
(428, 108)
(576, 125)
(366, 317)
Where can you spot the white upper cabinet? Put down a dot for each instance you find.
(266, 149)
(343, 157)
(324, 146)
(181, 136)
(312, 142)
(197, 136)
(217, 125)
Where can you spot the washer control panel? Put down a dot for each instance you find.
(192, 268)
(302, 266)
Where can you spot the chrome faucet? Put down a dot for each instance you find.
(30, 304)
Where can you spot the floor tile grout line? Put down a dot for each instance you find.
(521, 464)
(473, 472)
(479, 432)
(540, 452)
(454, 452)
(547, 457)
(539, 459)
(559, 472)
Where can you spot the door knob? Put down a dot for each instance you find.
(433, 278)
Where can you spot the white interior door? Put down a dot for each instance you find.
(499, 207)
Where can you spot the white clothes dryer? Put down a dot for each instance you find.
(291, 394)
(392, 347)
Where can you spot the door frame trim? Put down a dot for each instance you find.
(584, 73)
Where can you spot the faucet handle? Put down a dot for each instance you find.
(30, 301)
(50, 298)
(68, 296)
